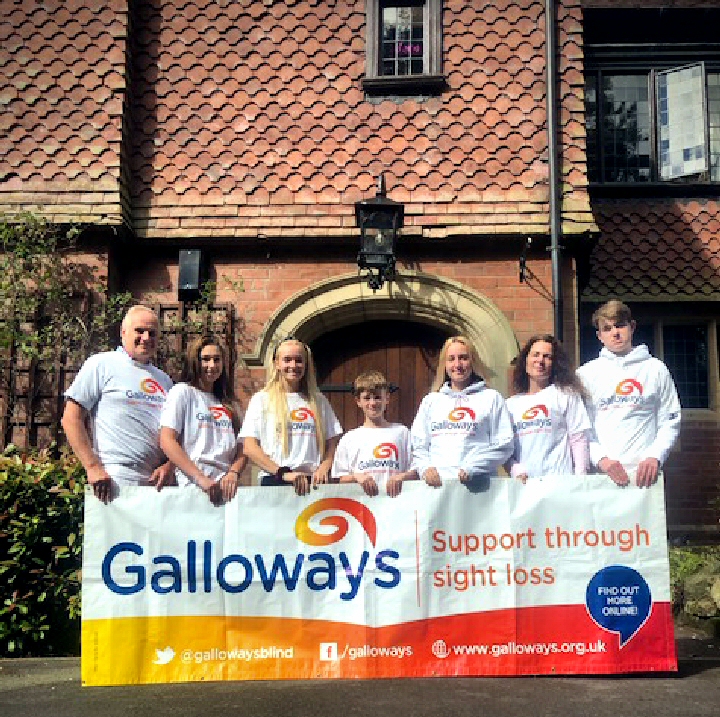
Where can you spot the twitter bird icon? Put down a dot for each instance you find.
(162, 657)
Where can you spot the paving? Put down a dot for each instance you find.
(36, 686)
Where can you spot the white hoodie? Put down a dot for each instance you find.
(470, 429)
(633, 406)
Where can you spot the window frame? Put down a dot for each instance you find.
(432, 80)
(614, 46)
(654, 182)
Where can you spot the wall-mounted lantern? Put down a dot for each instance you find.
(379, 220)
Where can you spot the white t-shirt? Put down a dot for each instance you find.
(382, 452)
(204, 428)
(543, 423)
(124, 399)
(633, 406)
(303, 454)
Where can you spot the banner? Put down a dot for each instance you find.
(563, 575)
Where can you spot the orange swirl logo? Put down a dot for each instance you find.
(463, 412)
(150, 385)
(628, 386)
(220, 412)
(360, 512)
(535, 411)
(385, 450)
(302, 414)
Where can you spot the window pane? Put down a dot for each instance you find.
(593, 158)
(403, 32)
(681, 122)
(713, 101)
(645, 334)
(686, 355)
(625, 128)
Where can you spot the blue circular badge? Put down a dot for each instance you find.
(618, 600)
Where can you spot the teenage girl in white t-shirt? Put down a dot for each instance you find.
(200, 421)
(290, 431)
(550, 422)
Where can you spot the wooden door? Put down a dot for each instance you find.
(404, 351)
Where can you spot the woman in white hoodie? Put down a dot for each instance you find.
(549, 418)
(462, 429)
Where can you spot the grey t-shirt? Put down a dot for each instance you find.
(124, 399)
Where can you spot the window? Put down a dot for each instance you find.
(403, 39)
(652, 96)
(685, 351)
(621, 145)
(404, 46)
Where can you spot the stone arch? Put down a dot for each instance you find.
(438, 301)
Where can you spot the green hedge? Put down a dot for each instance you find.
(41, 503)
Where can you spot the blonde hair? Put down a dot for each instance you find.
(478, 368)
(371, 381)
(277, 390)
(614, 311)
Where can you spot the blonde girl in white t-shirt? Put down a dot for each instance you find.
(200, 421)
(290, 431)
(550, 423)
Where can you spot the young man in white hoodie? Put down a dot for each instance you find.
(632, 403)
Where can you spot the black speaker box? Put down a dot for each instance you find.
(191, 274)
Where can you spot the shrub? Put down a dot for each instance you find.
(41, 503)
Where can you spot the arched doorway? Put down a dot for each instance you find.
(422, 301)
(405, 351)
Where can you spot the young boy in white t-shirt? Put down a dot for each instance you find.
(376, 455)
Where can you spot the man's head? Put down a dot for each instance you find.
(372, 392)
(615, 327)
(139, 333)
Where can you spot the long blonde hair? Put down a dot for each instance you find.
(277, 390)
(478, 368)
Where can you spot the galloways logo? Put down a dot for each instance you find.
(323, 523)
(534, 418)
(302, 419)
(150, 392)
(628, 386)
(150, 385)
(385, 455)
(461, 413)
(629, 391)
(308, 535)
(459, 420)
(216, 415)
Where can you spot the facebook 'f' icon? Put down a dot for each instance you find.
(328, 651)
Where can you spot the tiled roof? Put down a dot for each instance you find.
(667, 250)
(249, 118)
(62, 65)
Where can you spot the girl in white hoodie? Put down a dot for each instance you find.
(462, 429)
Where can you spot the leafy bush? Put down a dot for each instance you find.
(41, 503)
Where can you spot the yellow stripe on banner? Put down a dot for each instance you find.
(196, 648)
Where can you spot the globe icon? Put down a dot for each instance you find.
(440, 649)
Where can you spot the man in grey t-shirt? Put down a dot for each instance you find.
(119, 395)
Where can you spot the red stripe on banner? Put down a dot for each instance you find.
(525, 641)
